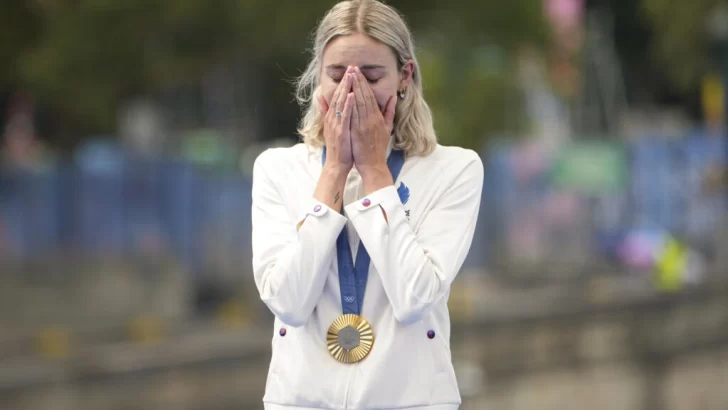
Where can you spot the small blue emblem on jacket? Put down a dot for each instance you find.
(403, 192)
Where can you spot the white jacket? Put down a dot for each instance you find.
(414, 258)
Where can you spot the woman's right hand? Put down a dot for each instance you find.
(337, 127)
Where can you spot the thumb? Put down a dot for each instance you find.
(389, 112)
(323, 106)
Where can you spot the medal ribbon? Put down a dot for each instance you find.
(353, 277)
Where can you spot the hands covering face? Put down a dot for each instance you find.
(356, 131)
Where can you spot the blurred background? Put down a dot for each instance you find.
(598, 271)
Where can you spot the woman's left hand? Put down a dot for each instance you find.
(370, 133)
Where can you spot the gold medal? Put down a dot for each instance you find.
(350, 338)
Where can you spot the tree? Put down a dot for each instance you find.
(87, 56)
(681, 44)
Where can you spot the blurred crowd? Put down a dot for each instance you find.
(622, 202)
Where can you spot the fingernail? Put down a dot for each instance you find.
(356, 68)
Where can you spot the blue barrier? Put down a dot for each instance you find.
(109, 203)
(28, 205)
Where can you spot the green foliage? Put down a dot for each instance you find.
(82, 57)
(20, 29)
(681, 39)
(469, 62)
(92, 53)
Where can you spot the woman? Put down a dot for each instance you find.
(359, 231)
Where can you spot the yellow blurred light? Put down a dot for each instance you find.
(54, 342)
(146, 330)
(233, 315)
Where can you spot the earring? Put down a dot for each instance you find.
(401, 94)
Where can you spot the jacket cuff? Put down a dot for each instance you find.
(319, 212)
(386, 197)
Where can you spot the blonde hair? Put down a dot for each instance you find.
(413, 125)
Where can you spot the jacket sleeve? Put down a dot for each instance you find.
(290, 265)
(417, 269)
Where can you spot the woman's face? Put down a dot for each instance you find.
(375, 60)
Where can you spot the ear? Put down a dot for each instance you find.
(407, 74)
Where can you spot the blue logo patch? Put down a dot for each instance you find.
(403, 192)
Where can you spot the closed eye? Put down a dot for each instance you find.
(369, 80)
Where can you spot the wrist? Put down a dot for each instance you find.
(374, 170)
(330, 187)
(375, 178)
(336, 172)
